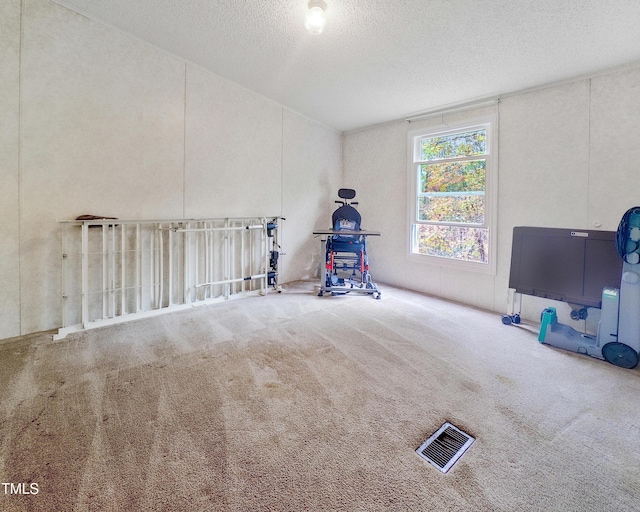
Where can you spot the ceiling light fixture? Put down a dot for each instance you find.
(316, 17)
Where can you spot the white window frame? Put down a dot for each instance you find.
(491, 184)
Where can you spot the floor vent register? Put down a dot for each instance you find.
(445, 447)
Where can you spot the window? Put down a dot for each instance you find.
(452, 209)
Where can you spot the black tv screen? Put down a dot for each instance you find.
(569, 265)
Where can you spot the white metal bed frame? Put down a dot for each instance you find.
(119, 270)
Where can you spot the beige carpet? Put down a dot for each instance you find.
(295, 402)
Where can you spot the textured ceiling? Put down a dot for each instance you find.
(381, 60)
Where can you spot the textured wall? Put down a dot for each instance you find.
(111, 126)
(614, 169)
(102, 131)
(311, 178)
(233, 150)
(9, 165)
(566, 159)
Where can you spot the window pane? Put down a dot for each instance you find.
(459, 243)
(453, 176)
(454, 145)
(464, 208)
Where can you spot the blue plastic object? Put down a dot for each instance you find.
(549, 317)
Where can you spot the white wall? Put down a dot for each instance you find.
(9, 167)
(312, 172)
(567, 158)
(95, 122)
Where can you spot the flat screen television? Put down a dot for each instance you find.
(569, 265)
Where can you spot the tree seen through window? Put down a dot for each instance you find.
(450, 219)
